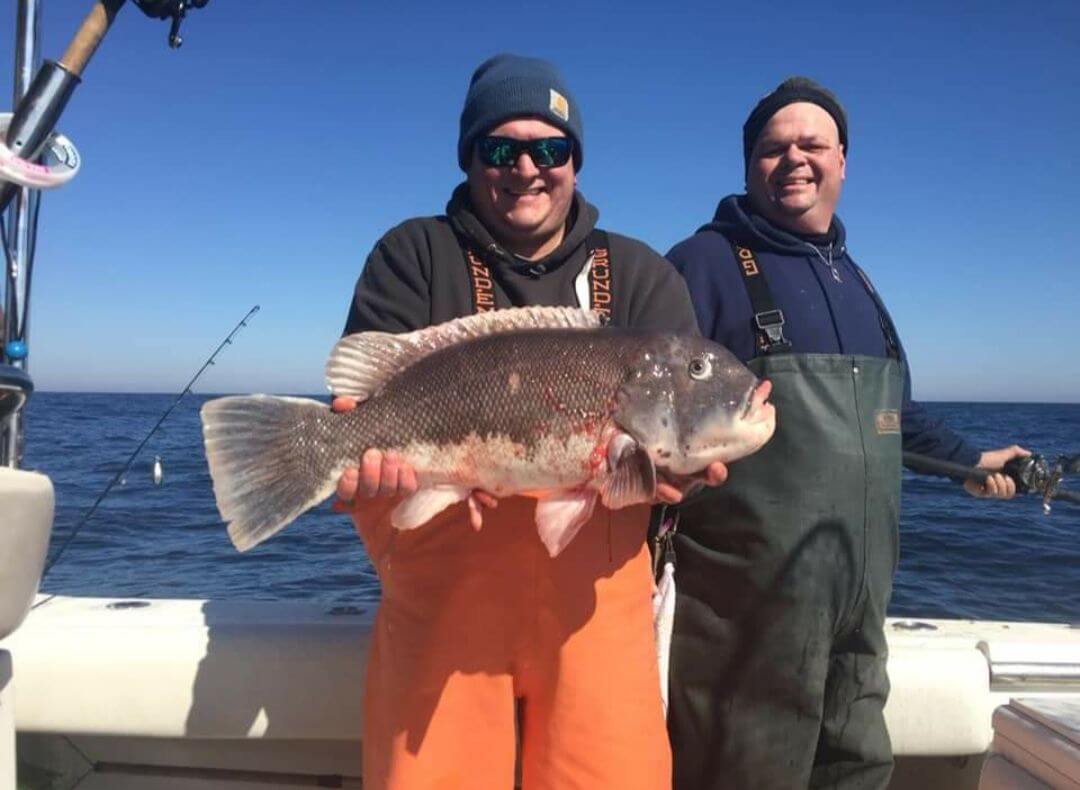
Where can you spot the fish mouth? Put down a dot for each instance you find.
(756, 407)
(725, 435)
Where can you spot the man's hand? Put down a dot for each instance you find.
(996, 486)
(389, 475)
(672, 494)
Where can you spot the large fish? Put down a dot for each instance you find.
(540, 401)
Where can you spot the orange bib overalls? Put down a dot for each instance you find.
(476, 626)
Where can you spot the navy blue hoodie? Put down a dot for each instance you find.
(828, 307)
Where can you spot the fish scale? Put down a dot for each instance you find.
(466, 390)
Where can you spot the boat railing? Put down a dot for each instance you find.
(1032, 668)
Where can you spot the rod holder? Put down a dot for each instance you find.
(36, 116)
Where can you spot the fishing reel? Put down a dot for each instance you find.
(1036, 474)
(165, 9)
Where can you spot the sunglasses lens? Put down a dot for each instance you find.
(550, 151)
(504, 151)
(497, 151)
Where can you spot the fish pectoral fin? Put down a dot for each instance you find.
(559, 517)
(633, 476)
(419, 508)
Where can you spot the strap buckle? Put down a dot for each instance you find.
(664, 542)
(771, 323)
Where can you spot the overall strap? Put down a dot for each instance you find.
(483, 288)
(594, 286)
(892, 339)
(768, 318)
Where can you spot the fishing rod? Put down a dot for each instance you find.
(1033, 474)
(45, 97)
(157, 464)
(33, 156)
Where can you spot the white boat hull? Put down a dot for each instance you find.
(199, 694)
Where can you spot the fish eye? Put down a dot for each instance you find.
(700, 368)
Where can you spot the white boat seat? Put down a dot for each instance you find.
(25, 523)
(940, 701)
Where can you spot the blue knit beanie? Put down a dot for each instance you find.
(790, 91)
(512, 86)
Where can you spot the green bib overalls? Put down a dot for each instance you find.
(778, 676)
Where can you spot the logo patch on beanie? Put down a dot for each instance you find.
(559, 105)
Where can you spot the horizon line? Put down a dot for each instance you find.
(319, 395)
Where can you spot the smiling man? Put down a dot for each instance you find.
(778, 663)
(516, 232)
(480, 633)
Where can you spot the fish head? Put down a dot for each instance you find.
(689, 402)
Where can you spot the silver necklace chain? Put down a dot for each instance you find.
(827, 261)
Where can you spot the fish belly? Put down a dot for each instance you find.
(504, 466)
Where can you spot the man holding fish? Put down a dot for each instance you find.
(474, 617)
(534, 617)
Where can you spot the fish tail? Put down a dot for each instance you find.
(270, 458)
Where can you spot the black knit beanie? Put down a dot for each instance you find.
(791, 90)
(512, 86)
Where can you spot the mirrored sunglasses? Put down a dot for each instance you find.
(545, 152)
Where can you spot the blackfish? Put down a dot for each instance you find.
(538, 401)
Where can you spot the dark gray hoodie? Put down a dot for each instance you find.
(416, 275)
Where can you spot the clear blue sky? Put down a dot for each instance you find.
(261, 162)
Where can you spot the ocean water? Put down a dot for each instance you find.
(960, 557)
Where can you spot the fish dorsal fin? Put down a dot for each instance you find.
(633, 476)
(360, 364)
